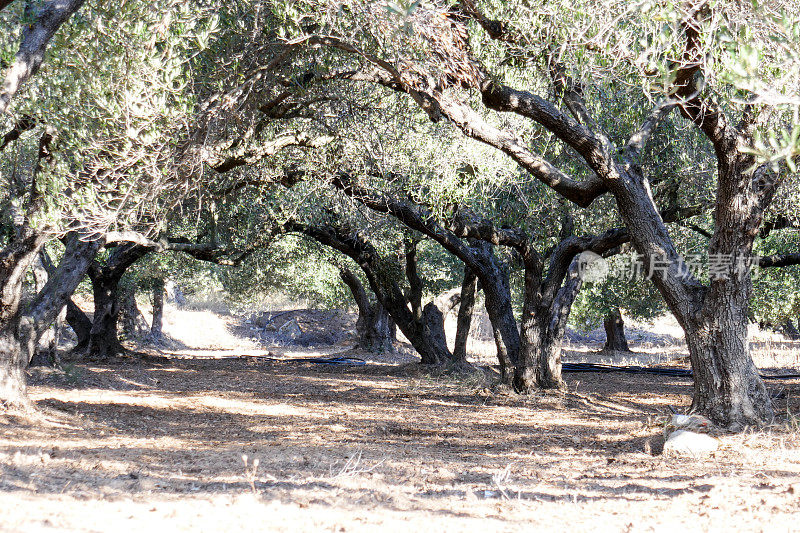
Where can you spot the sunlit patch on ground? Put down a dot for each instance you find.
(266, 443)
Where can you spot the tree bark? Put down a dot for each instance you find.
(80, 324)
(46, 352)
(132, 320)
(433, 325)
(545, 313)
(103, 338)
(465, 310)
(15, 259)
(728, 388)
(380, 276)
(374, 325)
(20, 332)
(615, 332)
(75, 317)
(158, 309)
(478, 255)
(46, 19)
(497, 299)
(47, 348)
(727, 384)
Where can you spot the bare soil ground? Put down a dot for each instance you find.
(160, 445)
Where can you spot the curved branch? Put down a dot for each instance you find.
(658, 114)
(473, 125)
(688, 86)
(35, 38)
(592, 148)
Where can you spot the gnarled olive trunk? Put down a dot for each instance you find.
(425, 332)
(74, 316)
(19, 332)
(727, 385)
(433, 334)
(376, 331)
(131, 318)
(544, 322)
(374, 326)
(103, 337)
(46, 353)
(15, 260)
(404, 309)
(80, 324)
(46, 350)
(615, 332)
(497, 301)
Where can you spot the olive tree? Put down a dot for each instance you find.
(728, 70)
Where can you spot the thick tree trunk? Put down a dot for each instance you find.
(13, 388)
(20, 332)
(424, 338)
(544, 323)
(727, 385)
(131, 318)
(46, 351)
(433, 332)
(158, 309)
(15, 260)
(425, 333)
(103, 337)
(47, 348)
(465, 310)
(374, 326)
(75, 317)
(80, 324)
(376, 335)
(615, 332)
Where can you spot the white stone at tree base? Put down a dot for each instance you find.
(682, 442)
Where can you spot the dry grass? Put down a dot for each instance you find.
(138, 446)
(374, 447)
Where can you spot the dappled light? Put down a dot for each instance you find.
(407, 443)
(402, 265)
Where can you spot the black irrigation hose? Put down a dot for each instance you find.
(330, 360)
(658, 370)
(566, 367)
(354, 361)
(319, 360)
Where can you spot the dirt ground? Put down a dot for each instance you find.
(195, 443)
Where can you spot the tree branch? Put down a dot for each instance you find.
(35, 38)
(591, 147)
(26, 123)
(658, 114)
(496, 29)
(688, 86)
(253, 155)
(779, 260)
